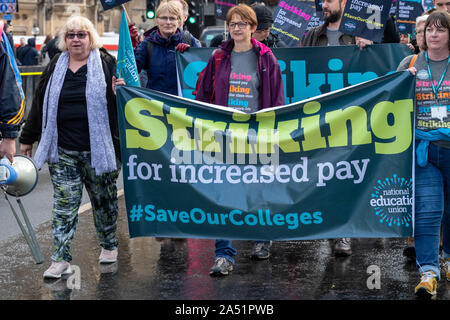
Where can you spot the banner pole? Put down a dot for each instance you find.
(225, 30)
(126, 13)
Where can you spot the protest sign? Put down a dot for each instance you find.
(337, 165)
(365, 18)
(407, 12)
(315, 21)
(291, 18)
(318, 5)
(109, 4)
(317, 17)
(427, 4)
(221, 8)
(394, 8)
(308, 71)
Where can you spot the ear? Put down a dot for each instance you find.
(253, 28)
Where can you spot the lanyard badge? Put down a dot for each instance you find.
(437, 111)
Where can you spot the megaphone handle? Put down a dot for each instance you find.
(39, 256)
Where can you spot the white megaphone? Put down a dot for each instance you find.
(18, 178)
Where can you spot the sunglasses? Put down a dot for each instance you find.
(79, 35)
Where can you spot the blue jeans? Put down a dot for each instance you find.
(225, 249)
(432, 208)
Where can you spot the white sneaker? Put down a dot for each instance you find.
(57, 269)
(108, 256)
(342, 247)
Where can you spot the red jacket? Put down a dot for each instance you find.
(271, 92)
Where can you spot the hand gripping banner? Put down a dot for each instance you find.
(332, 166)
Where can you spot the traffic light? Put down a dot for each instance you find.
(194, 12)
(150, 9)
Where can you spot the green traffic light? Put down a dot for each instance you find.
(150, 14)
(192, 20)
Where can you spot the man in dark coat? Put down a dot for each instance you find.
(265, 21)
(28, 55)
(328, 34)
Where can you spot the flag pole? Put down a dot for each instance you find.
(225, 30)
(126, 13)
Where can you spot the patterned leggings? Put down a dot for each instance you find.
(68, 176)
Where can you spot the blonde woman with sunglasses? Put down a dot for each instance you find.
(74, 117)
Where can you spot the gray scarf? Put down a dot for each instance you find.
(102, 149)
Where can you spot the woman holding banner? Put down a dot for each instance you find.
(156, 54)
(409, 252)
(74, 115)
(246, 64)
(432, 170)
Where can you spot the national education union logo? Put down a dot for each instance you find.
(392, 201)
(350, 26)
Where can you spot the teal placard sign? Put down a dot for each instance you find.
(308, 72)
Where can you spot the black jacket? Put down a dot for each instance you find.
(33, 126)
(391, 34)
(272, 41)
(12, 103)
(51, 48)
(28, 55)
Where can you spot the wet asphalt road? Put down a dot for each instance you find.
(148, 269)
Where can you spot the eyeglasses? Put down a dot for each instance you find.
(171, 19)
(79, 35)
(240, 25)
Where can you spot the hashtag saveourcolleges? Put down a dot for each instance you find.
(264, 217)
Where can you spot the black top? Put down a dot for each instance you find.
(73, 127)
(32, 129)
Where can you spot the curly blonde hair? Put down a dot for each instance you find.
(79, 23)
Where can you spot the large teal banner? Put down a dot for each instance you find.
(309, 72)
(338, 165)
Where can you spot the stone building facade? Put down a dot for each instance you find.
(50, 15)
